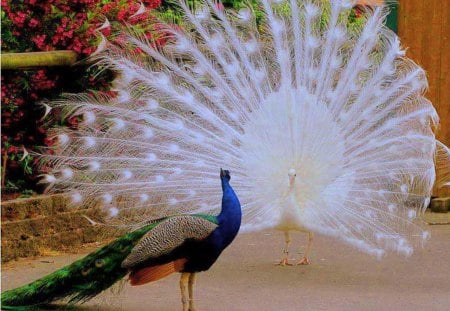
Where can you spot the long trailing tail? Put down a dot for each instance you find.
(79, 281)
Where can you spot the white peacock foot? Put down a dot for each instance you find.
(303, 261)
(284, 262)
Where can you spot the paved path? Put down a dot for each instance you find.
(244, 278)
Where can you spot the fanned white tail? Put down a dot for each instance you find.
(302, 90)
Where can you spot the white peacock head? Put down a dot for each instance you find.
(292, 174)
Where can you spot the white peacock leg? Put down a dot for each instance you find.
(184, 279)
(284, 260)
(305, 259)
(192, 278)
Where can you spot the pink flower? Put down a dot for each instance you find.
(33, 23)
(39, 40)
(18, 18)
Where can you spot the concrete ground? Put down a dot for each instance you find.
(244, 278)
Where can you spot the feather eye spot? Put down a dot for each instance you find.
(338, 34)
(66, 173)
(89, 117)
(412, 214)
(426, 235)
(277, 27)
(164, 79)
(159, 179)
(113, 211)
(152, 104)
(50, 179)
(94, 166)
(126, 174)
(426, 202)
(407, 251)
(199, 163)
(379, 253)
(259, 75)
(117, 124)
(404, 188)
(392, 208)
(85, 271)
(123, 248)
(174, 148)
(151, 157)
(123, 95)
(178, 125)
(336, 62)
(143, 197)
(148, 132)
(251, 46)
(63, 139)
(76, 197)
(217, 40)
(182, 44)
(311, 10)
(177, 171)
(99, 263)
(202, 14)
(244, 15)
(89, 142)
(173, 201)
(370, 214)
(346, 4)
(199, 137)
(106, 198)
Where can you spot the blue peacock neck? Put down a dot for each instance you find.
(230, 216)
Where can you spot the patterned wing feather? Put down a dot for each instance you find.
(167, 236)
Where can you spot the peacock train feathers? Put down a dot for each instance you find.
(301, 89)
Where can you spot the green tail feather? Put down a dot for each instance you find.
(80, 280)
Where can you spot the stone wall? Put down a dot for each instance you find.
(41, 224)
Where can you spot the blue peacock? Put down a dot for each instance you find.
(182, 243)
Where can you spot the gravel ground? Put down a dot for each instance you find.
(244, 278)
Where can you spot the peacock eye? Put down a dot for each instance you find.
(85, 271)
(99, 263)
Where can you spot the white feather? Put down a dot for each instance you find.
(344, 108)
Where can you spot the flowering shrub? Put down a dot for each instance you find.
(38, 25)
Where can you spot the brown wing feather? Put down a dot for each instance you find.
(154, 273)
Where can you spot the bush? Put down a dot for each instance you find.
(37, 25)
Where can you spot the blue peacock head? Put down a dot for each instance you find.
(225, 174)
